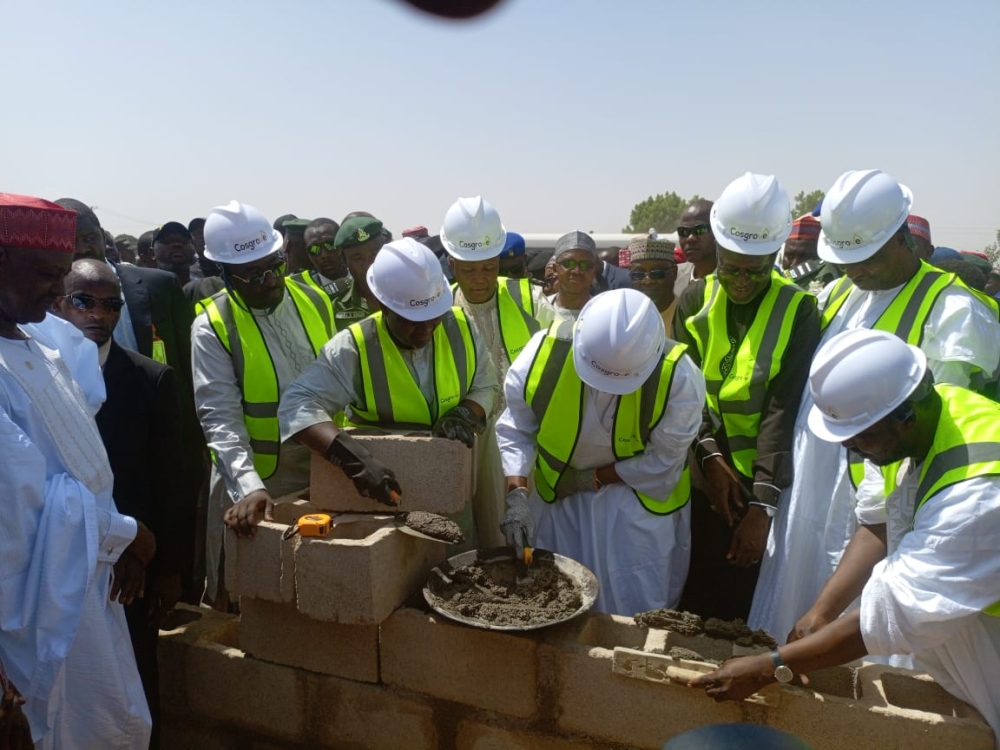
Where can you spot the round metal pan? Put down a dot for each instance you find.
(583, 579)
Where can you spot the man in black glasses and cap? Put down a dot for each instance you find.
(697, 243)
(654, 272)
(248, 343)
(141, 428)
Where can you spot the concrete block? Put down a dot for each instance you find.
(279, 633)
(824, 722)
(375, 717)
(475, 736)
(598, 703)
(178, 732)
(481, 668)
(913, 690)
(263, 566)
(361, 572)
(224, 686)
(436, 475)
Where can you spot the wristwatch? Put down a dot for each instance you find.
(782, 673)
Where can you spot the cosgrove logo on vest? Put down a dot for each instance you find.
(250, 244)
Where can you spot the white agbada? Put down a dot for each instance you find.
(926, 598)
(816, 517)
(64, 644)
(640, 559)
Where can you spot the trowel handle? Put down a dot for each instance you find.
(681, 675)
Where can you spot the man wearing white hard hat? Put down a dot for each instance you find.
(601, 412)
(417, 364)
(507, 313)
(753, 333)
(930, 585)
(888, 288)
(248, 343)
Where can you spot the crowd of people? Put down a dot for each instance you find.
(791, 421)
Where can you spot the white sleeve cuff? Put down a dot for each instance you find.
(119, 534)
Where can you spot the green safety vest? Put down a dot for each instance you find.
(555, 394)
(966, 445)
(241, 337)
(392, 397)
(515, 313)
(303, 286)
(737, 400)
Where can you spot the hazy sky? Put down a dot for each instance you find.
(563, 113)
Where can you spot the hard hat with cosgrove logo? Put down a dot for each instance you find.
(753, 216)
(407, 278)
(862, 210)
(472, 230)
(857, 378)
(236, 234)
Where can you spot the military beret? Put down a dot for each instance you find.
(356, 231)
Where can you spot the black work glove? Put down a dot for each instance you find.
(371, 478)
(461, 423)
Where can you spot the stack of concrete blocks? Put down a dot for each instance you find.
(598, 681)
(316, 602)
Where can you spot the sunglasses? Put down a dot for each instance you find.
(274, 272)
(752, 274)
(657, 274)
(569, 264)
(86, 302)
(697, 230)
(325, 247)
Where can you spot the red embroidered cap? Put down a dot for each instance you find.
(919, 226)
(36, 223)
(805, 228)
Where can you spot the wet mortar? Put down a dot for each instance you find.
(492, 593)
(435, 525)
(686, 623)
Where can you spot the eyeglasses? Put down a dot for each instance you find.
(569, 264)
(276, 272)
(752, 274)
(657, 274)
(697, 230)
(325, 247)
(86, 302)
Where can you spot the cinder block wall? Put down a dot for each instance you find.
(280, 679)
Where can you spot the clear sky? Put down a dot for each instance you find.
(563, 113)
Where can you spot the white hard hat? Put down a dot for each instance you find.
(617, 341)
(472, 230)
(857, 378)
(753, 216)
(407, 278)
(862, 210)
(237, 233)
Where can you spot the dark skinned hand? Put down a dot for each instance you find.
(737, 678)
(129, 579)
(750, 538)
(15, 734)
(144, 544)
(244, 515)
(808, 624)
(163, 594)
(723, 490)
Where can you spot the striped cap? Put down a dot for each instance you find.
(36, 224)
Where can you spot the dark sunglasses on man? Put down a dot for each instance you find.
(276, 271)
(656, 274)
(322, 247)
(697, 230)
(569, 264)
(86, 302)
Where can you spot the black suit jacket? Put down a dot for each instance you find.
(140, 425)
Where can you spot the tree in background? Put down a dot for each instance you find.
(992, 250)
(659, 212)
(806, 202)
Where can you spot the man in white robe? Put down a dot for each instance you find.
(628, 518)
(66, 554)
(959, 335)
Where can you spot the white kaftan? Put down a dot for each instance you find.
(926, 597)
(64, 644)
(815, 518)
(640, 559)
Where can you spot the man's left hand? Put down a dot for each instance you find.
(737, 678)
(461, 423)
(750, 538)
(129, 579)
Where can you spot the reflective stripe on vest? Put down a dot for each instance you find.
(907, 313)
(966, 445)
(515, 311)
(555, 394)
(240, 335)
(738, 399)
(392, 397)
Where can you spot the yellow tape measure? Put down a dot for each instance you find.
(313, 524)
